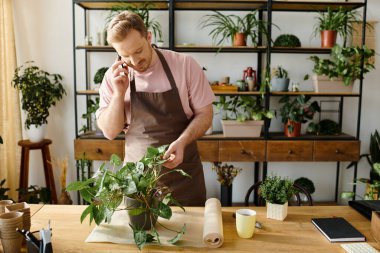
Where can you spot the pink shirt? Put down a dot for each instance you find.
(193, 87)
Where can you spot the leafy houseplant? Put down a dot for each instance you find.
(242, 115)
(324, 127)
(344, 63)
(138, 182)
(280, 80)
(287, 40)
(227, 26)
(276, 192)
(295, 112)
(143, 11)
(40, 90)
(92, 107)
(337, 22)
(305, 183)
(99, 75)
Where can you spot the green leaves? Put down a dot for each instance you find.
(137, 180)
(276, 190)
(178, 236)
(40, 90)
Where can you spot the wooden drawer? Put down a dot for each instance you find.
(241, 151)
(336, 150)
(98, 149)
(208, 150)
(278, 151)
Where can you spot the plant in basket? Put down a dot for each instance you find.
(138, 184)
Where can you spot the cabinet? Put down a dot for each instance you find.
(272, 146)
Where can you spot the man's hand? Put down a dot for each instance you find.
(174, 154)
(120, 80)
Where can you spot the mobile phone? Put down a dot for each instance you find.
(118, 57)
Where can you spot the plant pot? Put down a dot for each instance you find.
(325, 84)
(296, 129)
(239, 40)
(226, 195)
(276, 211)
(36, 134)
(372, 193)
(144, 220)
(328, 38)
(249, 128)
(280, 84)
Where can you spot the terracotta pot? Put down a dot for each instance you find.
(328, 38)
(239, 39)
(296, 129)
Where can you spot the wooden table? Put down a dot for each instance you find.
(295, 234)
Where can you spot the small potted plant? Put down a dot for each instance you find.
(296, 111)
(287, 40)
(373, 159)
(89, 116)
(40, 90)
(338, 73)
(237, 29)
(242, 116)
(138, 184)
(280, 80)
(276, 191)
(333, 22)
(226, 175)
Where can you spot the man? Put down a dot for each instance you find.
(157, 97)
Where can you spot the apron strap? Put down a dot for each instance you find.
(165, 65)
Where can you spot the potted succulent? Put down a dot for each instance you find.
(138, 184)
(143, 11)
(277, 192)
(242, 116)
(338, 73)
(280, 80)
(333, 22)
(296, 111)
(226, 175)
(287, 40)
(40, 90)
(237, 29)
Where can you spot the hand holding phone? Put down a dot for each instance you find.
(120, 80)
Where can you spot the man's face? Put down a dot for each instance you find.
(135, 50)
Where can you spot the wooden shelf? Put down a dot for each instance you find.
(314, 5)
(300, 50)
(107, 5)
(220, 5)
(314, 94)
(214, 49)
(88, 92)
(281, 136)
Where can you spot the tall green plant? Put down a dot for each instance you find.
(340, 20)
(224, 27)
(141, 10)
(137, 180)
(40, 90)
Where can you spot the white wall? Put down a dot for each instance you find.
(44, 34)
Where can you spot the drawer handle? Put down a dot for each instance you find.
(98, 151)
(245, 152)
(337, 151)
(290, 152)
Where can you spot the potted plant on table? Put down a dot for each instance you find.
(280, 80)
(276, 192)
(333, 22)
(296, 111)
(373, 159)
(338, 73)
(40, 90)
(138, 184)
(242, 116)
(237, 29)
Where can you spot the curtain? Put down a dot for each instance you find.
(10, 116)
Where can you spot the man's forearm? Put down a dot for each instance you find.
(201, 122)
(111, 121)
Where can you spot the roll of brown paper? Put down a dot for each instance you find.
(213, 224)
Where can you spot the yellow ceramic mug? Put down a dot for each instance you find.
(245, 222)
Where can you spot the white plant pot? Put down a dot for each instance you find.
(249, 128)
(325, 84)
(36, 134)
(276, 211)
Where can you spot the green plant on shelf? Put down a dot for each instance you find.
(287, 40)
(92, 107)
(279, 72)
(242, 108)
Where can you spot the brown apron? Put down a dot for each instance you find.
(158, 119)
